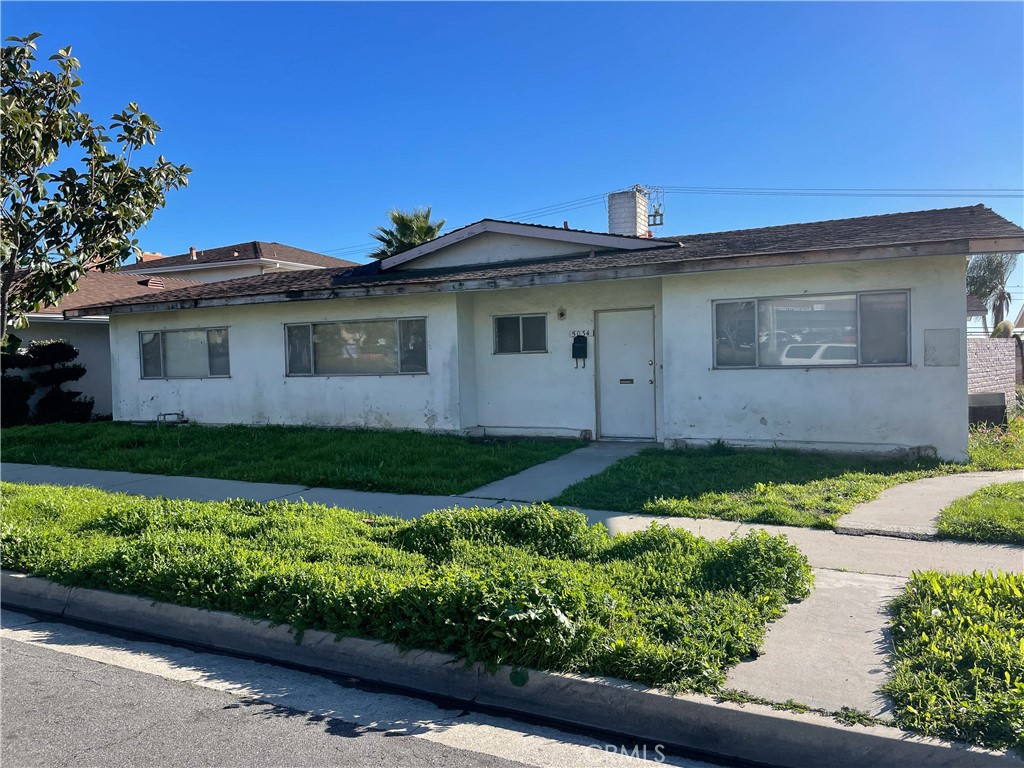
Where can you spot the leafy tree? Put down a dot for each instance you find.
(407, 231)
(987, 278)
(60, 222)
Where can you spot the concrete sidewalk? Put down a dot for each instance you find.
(824, 549)
(828, 651)
(911, 510)
(548, 480)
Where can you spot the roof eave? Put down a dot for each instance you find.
(658, 269)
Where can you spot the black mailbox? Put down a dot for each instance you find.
(579, 347)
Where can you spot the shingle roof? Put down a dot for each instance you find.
(113, 287)
(242, 252)
(976, 307)
(936, 226)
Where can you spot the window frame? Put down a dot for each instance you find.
(163, 363)
(312, 357)
(757, 331)
(521, 351)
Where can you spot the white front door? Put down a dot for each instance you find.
(625, 373)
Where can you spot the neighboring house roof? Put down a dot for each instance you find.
(898, 235)
(976, 307)
(1020, 319)
(255, 250)
(109, 287)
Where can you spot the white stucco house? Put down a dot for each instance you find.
(152, 274)
(838, 335)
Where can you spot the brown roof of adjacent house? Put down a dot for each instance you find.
(242, 252)
(114, 287)
(916, 228)
(976, 307)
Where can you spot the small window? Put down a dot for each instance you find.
(185, 354)
(353, 348)
(515, 334)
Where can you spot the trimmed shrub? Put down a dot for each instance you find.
(14, 396)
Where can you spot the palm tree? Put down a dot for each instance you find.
(407, 231)
(987, 278)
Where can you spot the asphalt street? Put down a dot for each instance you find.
(76, 697)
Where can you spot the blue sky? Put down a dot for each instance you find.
(306, 122)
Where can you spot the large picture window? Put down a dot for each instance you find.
(186, 354)
(514, 334)
(827, 330)
(362, 347)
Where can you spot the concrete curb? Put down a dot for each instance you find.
(749, 732)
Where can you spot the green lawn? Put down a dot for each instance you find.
(365, 460)
(994, 514)
(530, 586)
(772, 487)
(958, 658)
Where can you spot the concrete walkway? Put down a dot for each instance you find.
(878, 555)
(911, 510)
(548, 480)
(829, 651)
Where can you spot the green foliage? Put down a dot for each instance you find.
(772, 487)
(51, 366)
(531, 587)
(14, 396)
(60, 222)
(995, 447)
(958, 660)
(366, 460)
(987, 277)
(408, 229)
(1003, 330)
(993, 514)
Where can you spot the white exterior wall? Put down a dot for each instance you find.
(92, 341)
(472, 389)
(258, 392)
(544, 393)
(869, 409)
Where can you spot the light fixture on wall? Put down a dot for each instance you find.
(561, 313)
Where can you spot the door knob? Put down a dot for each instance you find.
(650, 362)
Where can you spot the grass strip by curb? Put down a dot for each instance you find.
(958, 660)
(530, 586)
(357, 459)
(775, 487)
(993, 515)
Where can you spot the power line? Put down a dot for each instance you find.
(567, 206)
(852, 192)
